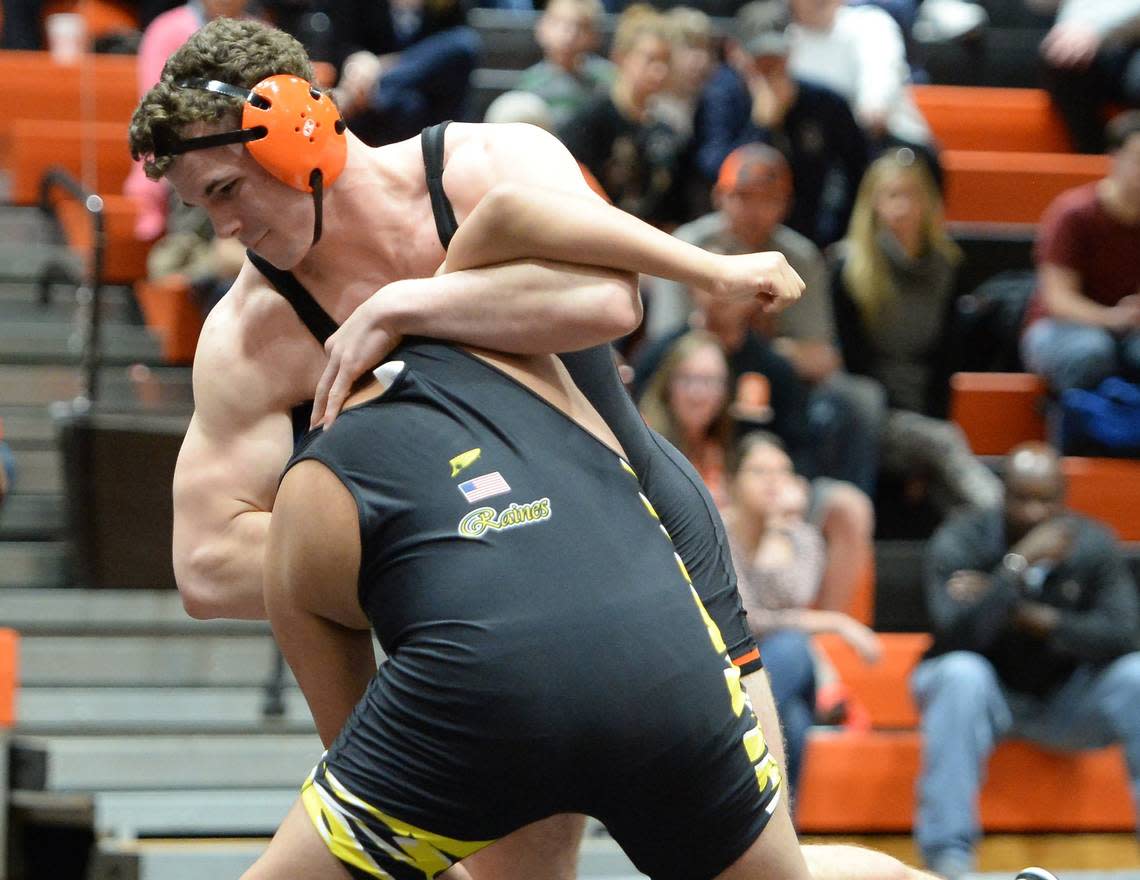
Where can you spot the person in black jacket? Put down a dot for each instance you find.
(404, 64)
(1035, 620)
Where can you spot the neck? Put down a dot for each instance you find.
(747, 530)
(1120, 204)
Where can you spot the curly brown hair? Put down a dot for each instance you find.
(240, 52)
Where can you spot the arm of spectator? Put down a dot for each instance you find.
(883, 71)
(1111, 626)
(969, 608)
(1063, 298)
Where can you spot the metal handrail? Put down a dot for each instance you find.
(89, 294)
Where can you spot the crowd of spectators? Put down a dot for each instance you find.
(796, 133)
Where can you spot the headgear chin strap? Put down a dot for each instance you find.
(291, 128)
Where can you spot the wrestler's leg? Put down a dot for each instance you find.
(546, 850)
(848, 862)
(777, 855)
(297, 853)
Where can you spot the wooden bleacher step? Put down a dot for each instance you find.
(32, 518)
(37, 342)
(106, 763)
(147, 710)
(145, 661)
(105, 612)
(164, 387)
(33, 564)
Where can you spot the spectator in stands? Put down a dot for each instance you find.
(754, 97)
(780, 560)
(1092, 60)
(839, 509)
(893, 285)
(637, 157)
(1035, 621)
(1083, 323)
(190, 249)
(404, 64)
(687, 403)
(753, 194)
(693, 61)
(859, 52)
(162, 36)
(570, 74)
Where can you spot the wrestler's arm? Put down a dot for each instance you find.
(575, 288)
(311, 570)
(225, 481)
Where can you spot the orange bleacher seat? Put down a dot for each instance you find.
(996, 411)
(9, 675)
(1106, 489)
(101, 16)
(124, 257)
(95, 153)
(864, 781)
(171, 311)
(996, 187)
(994, 119)
(102, 88)
(879, 687)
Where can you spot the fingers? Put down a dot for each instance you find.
(321, 396)
(338, 394)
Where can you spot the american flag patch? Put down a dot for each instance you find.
(486, 486)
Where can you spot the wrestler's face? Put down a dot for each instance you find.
(698, 389)
(244, 201)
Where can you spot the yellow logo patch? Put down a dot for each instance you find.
(464, 460)
(481, 519)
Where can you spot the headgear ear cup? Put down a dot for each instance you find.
(304, 132)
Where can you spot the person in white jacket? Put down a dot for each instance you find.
(859, 52)
(1092, 61)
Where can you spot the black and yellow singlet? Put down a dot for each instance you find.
(546, 650)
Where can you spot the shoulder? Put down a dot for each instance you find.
(245, 364)
(708, 229)
(796, 247)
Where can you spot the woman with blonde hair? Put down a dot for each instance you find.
(894, 285)
(686, 402)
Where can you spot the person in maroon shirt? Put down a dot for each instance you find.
(1083, 322)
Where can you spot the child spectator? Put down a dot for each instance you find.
(570, 74)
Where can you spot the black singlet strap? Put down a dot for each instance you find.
(431, 139)
(308, 309)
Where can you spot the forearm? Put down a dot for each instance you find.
(520, 307)
(222, 576)
(764, 705)
(1065, 305)
(514, 222)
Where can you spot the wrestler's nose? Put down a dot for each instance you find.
(226, 224)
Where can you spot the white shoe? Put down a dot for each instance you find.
(939, 21)
(1036, 874)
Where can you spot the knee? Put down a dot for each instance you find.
(848, 514)
(1124, 681)
(963, 677)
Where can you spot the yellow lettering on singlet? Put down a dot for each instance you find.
(732, 678)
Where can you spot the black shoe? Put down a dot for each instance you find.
(1036, 874)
